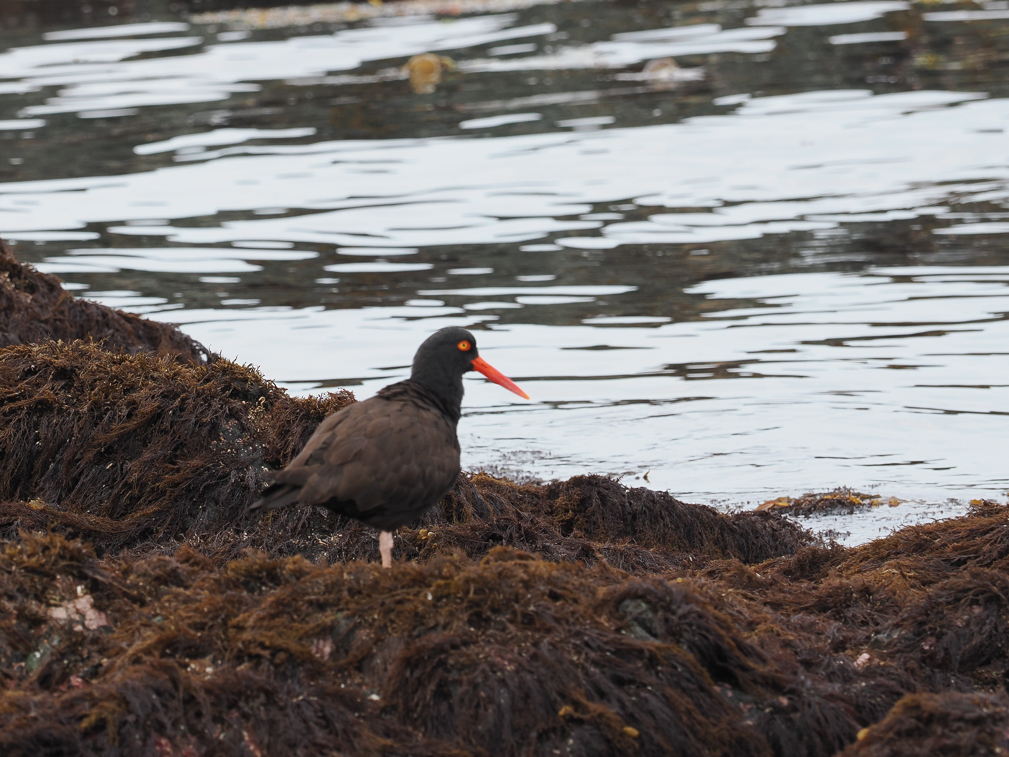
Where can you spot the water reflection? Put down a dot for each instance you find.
(823, 158)
(744, 250)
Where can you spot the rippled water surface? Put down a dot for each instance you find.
(775, 265)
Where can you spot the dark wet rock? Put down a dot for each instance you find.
(35, 307)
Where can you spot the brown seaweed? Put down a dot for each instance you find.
(579, 617)
(120, 448)
(35, 307)
(950, 724)
(509, 655)
(842, 501)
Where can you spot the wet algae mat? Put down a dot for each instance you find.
(143, 611)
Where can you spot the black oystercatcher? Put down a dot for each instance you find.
(387, 460)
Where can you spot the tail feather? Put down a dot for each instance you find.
(277, 495)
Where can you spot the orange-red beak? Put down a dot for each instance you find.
(492, 373)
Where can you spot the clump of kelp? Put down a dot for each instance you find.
(953, 723)
(120, 448)
(34, 307)
(144, 611)
(894, 648)
(840, 501)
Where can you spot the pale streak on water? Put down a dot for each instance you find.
(893, 379)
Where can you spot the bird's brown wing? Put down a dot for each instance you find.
(286, 486)
(381, 461)
(338, 440)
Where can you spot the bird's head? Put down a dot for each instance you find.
(450, 352)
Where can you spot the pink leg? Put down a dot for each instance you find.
(385, 547)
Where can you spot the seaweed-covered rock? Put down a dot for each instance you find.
(580, 617)
(594, 519)
(34, 307)
(120, 448)
(138, 451)
(136, 680)
(507, 656)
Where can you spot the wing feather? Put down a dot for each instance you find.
(381, 461)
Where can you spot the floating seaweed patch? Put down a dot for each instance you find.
(841, 500)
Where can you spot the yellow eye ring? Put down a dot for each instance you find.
(464, 345)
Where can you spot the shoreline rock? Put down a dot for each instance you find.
(509, 654)
(144, 611)
(35, 307)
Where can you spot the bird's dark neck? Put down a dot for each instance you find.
(445, 393)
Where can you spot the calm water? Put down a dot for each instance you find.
(780, 266)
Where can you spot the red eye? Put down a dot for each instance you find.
(464, 345)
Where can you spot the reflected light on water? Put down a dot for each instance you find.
(743, 251)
